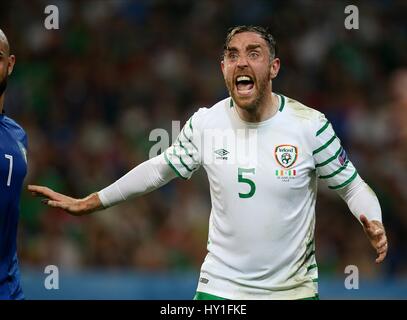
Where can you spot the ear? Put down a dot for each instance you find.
(274, 68)
(11, 62)
(222, 66)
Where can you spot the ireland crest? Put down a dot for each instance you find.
(286, 155)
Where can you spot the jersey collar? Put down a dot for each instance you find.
(266, 122)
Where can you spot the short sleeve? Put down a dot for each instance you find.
(184, 155)
(331, 160)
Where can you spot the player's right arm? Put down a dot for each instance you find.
(142, 179)
(179, 160)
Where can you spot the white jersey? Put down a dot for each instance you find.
(263, 186)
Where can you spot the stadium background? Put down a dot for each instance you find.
(90, 93)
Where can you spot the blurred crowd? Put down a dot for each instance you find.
(90, 93)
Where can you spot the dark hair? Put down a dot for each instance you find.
(263, 32)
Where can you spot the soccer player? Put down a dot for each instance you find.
(13, 168)
(261, 228)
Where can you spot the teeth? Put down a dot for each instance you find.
(243, 78)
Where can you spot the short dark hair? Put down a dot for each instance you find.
(263, 32)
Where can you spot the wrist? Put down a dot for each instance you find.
(91, 203)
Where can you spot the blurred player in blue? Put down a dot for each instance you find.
(13, 168)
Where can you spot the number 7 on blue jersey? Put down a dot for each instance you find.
(10, 169)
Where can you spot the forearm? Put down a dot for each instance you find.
(361, 199)
(144, 178)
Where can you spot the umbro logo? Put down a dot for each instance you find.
(203, 280)
(221, 154)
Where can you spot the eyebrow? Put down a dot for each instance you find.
(253, 46)
(249, 47)
(231, 49)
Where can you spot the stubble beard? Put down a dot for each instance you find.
(258, 99)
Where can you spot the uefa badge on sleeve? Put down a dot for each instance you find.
(343, 157)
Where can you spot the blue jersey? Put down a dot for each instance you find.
(13, 168)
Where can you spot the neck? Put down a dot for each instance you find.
(262, 111)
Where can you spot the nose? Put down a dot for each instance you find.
(242, 62)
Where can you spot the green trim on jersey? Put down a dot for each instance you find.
(330, 159)
(183, 132)
(324, 146)
(190, 124)
(231, 103)
(323, 128)
(206, 296)
(336, 172)
(316, 297)
(309, 255)
(309, 243)
(312, 266)
(282, 102)
(173, 168)
(186, 150)
(182, 161)
(346, 182)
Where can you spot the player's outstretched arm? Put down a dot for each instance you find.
(377, 236)
(76, 207)
(144, 178)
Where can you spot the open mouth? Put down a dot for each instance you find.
(244, 84)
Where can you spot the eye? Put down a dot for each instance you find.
(232, 55)
(253, 54)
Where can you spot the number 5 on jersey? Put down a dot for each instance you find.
(248, 181)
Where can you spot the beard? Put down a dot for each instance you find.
(256, 99)
(3, 84)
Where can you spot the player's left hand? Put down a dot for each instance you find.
(376, 235)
